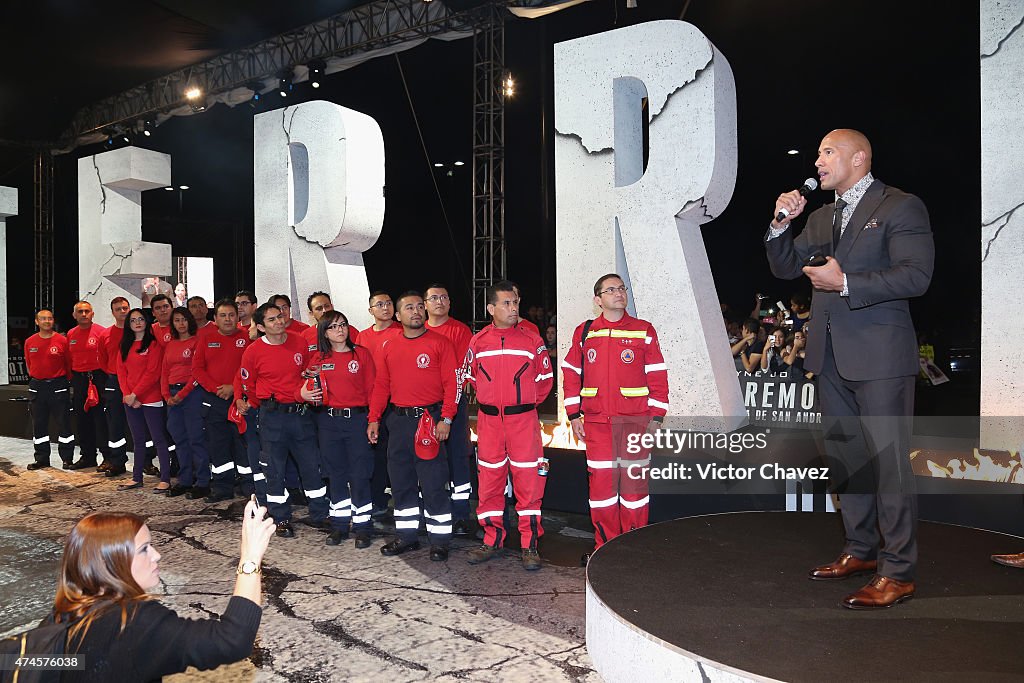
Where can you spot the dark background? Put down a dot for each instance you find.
(906, 74)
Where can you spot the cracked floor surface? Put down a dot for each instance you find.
(330, 613)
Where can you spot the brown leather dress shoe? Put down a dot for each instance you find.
(880, 593)
(845, 566)
(1015, 561)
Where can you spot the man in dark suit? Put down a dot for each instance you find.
(878, 244)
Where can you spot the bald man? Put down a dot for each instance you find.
(877, 244)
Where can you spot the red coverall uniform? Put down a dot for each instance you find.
(624, 385)
(512, 373)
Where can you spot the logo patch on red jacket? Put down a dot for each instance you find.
(591, 355)
(627, 356)
(422, 361)
(298, 359)
(185, 353)
(53, 350)
(353, 366)
(239, 343)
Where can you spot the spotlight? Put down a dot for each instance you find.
(193, 93)
(284, 83)
(183, 187)
(793, 152)
(316, 72)
(438, 165)
(169, 189)
(460, 163)
(630, 4)
(147, 127)
(109, 143)
(125, 138)
(508, 86)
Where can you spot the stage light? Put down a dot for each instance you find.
(147, 127)
(438, 165)
(193, 93)
(125, 137)
(183, 187)
(508, 86)
(284, 83)
(316, 72)
(793, 152)
(630, 4)
(460, 163)
(109, 141)
(169, 189)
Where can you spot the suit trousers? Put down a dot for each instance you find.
(867, 427)
(347, 461)
(407, 470)
(51, 397)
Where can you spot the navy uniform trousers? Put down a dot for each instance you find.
(347, 460)
(285, 427)
(51, 397)
(407, 470)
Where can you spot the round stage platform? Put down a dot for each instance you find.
(727, 598)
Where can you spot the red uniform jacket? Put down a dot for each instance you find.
(509, 367)
(217, 358)
(110, 349)
(416, 372)
(47, 358)
(177, 366)
(139, 373)
(272, 370)
(84, 345)
(347, 378)
(623, 370)
(374, 340)
(162, 334)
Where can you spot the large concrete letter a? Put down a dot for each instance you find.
(319, 203)
(614, 216)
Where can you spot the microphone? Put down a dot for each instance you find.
(809, 186)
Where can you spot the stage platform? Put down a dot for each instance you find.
(726, 598)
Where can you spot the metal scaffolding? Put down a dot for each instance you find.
(42, 210)
(374, 26)
(488, 155)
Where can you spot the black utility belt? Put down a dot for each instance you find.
(346, 412)
(270, 405)
(62, 378)
(415, 411)
(509, 410)
(179, 387)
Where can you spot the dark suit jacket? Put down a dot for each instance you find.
(887, 254)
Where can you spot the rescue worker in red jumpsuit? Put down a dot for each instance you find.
(49, 387)
(616, 377)
(511, 370)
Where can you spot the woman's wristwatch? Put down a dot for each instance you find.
(248, 567)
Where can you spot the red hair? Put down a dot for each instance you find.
(96, 570)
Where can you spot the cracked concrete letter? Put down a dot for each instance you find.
(8, 207)
(614, 216)
(319, 203)
(1002, 221)
(112, 257)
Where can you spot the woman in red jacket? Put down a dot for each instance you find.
(184, 408)
(346, 374)
(138, 373)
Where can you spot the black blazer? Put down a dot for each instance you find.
(887, 254)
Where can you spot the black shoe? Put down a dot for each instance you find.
(379, 512)
(398, 546)
(178, 490)
(197, 492)
(151, 470)
(585, 559)
(461, 528)
(362, 539)
(336, 536)
(103, 467)
(174, 470)
(323, 525)
(129, 487)
(37, 466)
(284, 530)
(218, 497)
(438, 553)
(83, 464)
(66, 465)
(297, 497)
(115, 471)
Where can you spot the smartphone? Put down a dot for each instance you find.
(816, 260)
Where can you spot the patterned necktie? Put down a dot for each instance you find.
(837, 223)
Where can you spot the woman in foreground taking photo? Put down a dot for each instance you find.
(123, 633)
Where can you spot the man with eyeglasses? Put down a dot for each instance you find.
(417, 374)
(439, 305)
(246, 302)
(374, 337)
(284, 303)
(615, 376)
(84, 346)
